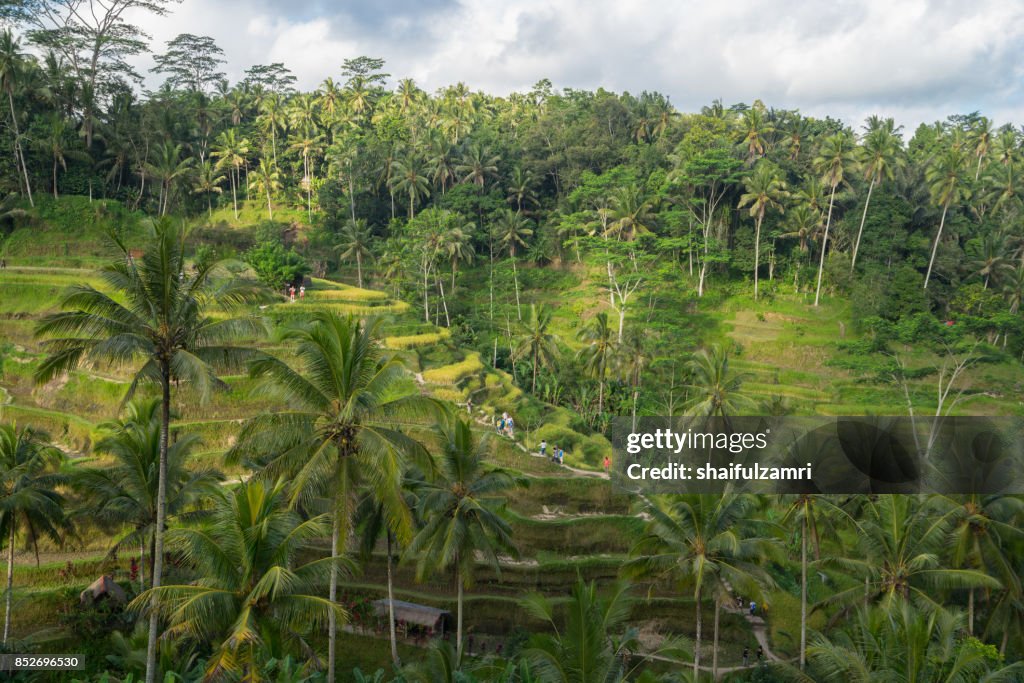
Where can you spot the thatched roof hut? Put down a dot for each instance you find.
(431, 618)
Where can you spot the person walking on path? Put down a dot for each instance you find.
(543, 448)
(302, 292)
(760, 653)
(753, 608)
(746, 656)
(607, 464)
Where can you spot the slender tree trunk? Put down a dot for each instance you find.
(10, 583)
(714, 649)
(696, 643)
(340, 510)
(803, 591)
(234, 191)
(391, 611)
(142, 564)
(270, 207)
(935, 247)
(55, 178)
(515, 280)
(359, 269)
(351, 194)
(18, 150)
(860, 231)
(161, 517)
(970, 613)
(824, 244)
(458, 625)
(444, 301)
(757, 252)
(533, 385)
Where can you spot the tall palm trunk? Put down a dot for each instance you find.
(270, 207)
(340, 505)
(161, 517)
(696, 643)
(391, 611)
(359, 268)
(935, 247)
(757, 251)
(10, 582)
(860, 231)
(234, 192)
(803, 591)
(714, 648)
(17, 147)
(824, 243)
(55, 178)
(458, 618)
(533, 384)
(970, 613)
(515, 280)
(444, 301)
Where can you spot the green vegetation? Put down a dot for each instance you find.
(254, 472)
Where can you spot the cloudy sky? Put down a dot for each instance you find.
(917, 60)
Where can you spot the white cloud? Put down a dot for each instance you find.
(919, 59)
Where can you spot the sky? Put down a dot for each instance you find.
(915, 60)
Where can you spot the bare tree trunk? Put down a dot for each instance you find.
(757, 253)
(515, 280)
(161, 519)
(10, 583)
(824, 244)
(860, 231)
(458, 626)
(391, 611)
(803, 592)
(935, 247)
(17, 148)
(714, 649)
(696, 644)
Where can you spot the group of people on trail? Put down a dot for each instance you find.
(507, 426)
(301, 291)
(557, 454)
(746, 655)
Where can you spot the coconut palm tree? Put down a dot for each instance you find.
(880, 156)
(803, 223)
(598, 353)
(168, 167)
(715, 391)
(629, 214)
(709, 542)
(1013, 287)
(341, 431)
(512, 229)
(536, 342)
(755, 130)
(354, 245)
(520, 188)
(407, 178)
(271, 119)
(55, 142)
(899, 544)
(30, 501)
(255, 598)
(266, 180)
(834, 158)
(981, 136)
(943, 176)
(459, 506)
(123, 493)
(231, 153)
(160, 323)
(308, 145)
(765, 190)
(457, 246)
(207, 181)
(594, 642)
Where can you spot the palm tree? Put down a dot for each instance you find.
(944, 184)
(55, 143)
(406, 177)
(340, 430)
(161, 316)
(634, 357)
(354, 245)
(307, 146)
(29, 497)
(232, 152)
(714, 389)
(253, 600)
(12, 65)
(629, 213)
(167, 168)
(479, 164)
(457, 246)
(123, 493)
(536, 342)
(207, 181)
(803, 223)
(899, 555)
(520, 188)
(512, 229)
(266, 180)
(981, 136)
(271, 118)
(880, 155)
(833, 159)
(594, 643)
(708, 542)
(1013, 287)
(755, 129)
(765, 190)
(598, 352)
(459, 508)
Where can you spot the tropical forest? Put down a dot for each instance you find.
(319, 384)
